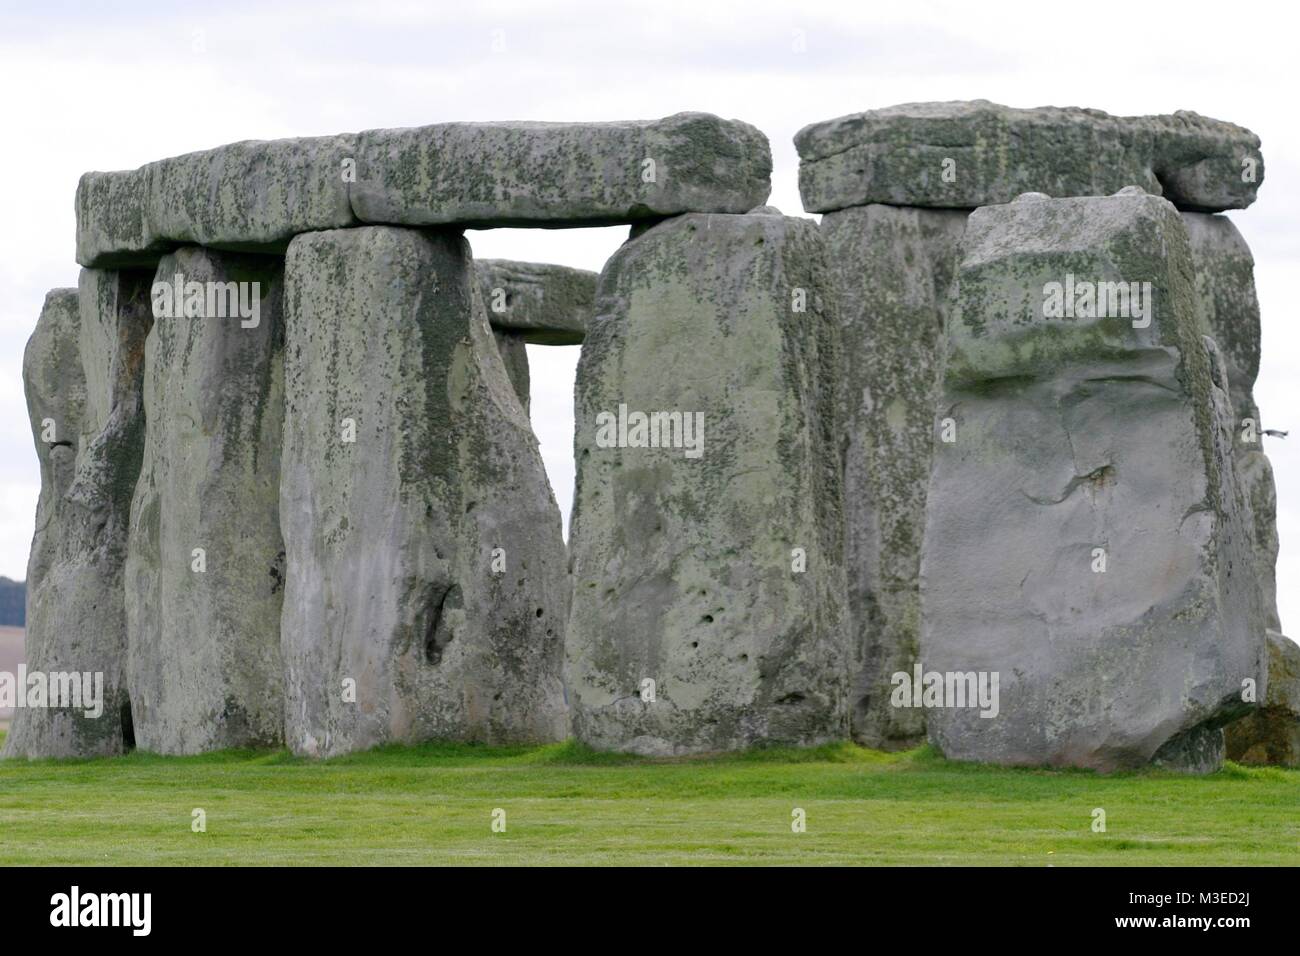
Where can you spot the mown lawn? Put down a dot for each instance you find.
(566, 805)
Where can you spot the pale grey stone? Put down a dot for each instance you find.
(894, 270)
(685, 569)
(253, 196)
(83, 370)
(425, 561)
(560, 174)
(545, 304)
(968, 154)
(204, 640)
(1073, 435)
(1225, 284)
(514, 353)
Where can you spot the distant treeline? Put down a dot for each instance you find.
(13, 603)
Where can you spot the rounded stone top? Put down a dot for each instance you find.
(1132, 191)
(765, 211)
(1031, 197)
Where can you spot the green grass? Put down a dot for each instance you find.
(567, 805)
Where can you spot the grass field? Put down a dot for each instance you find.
(566, 805)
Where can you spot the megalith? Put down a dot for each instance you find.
(205, 563)
(1225, 284)
(706, 541)
(83, 371)
(1271, 734)
(426, 590)
(965, 154)
(1086, 542)
(893, 269)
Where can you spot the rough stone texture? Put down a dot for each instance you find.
(545, 304)
(1073, 435)
(83, 369)
(894, 270)
(514, 354)
(1271, 735)
(390, 538)
(896, 155)
(254, 195)
(682, 567)
(1225, 283)
(204, 647)
(560, 174)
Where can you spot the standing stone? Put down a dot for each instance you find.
(205, 566)
(709, 561)
(961, 155)
(1225, 284)
(426, 591)
(1082, 440)
(514, 355)
(83, 371)
(1271, 735)
(545, 304)
(893, 270)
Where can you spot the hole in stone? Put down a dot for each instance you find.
(707, 619)
(539, 612)
(128, 726)
(795, 698)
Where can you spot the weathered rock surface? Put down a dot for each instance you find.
(426, 590)
(894, 271)
(1074, 435)
(545, 304)
(255, 196)
(683, 554)
(82, 369)
(204, 629)
(1271, 735)
(1225, 283)
(514, 354)
(560, 174)
(969, 154)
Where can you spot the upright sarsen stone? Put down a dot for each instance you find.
(706, 544)
(894, 271)
(1086, 535)
(426, 590)
(1225, 284)
(83, 373)
(205, 566)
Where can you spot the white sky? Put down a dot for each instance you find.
(115, 86)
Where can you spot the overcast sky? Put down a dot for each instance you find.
(113, 86)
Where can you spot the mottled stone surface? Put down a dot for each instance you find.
(394, 577)
(204, 638)
(83, 370)
(894, 270)
(1271, 735)
(1074, 435)
(254, 195)
(684, 568)
(968, 154)
(514, 354)
(560, 174)
(1225, 284)
(545, 304)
